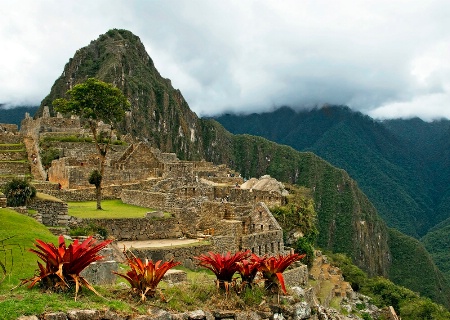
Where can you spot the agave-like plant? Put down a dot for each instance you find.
(63, 265)
(224, 266)
(272, 269)
(145, 277)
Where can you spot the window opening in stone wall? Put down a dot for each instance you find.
(259, 250)
(279, 246)
(272, 247)
(262, 227)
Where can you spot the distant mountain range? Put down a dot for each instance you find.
(15, 114)
(348, 221)
(403, 166)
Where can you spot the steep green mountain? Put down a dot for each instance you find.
(437, 243)
(430, 143)
(419, 272)
(377, 158)
(15, 115)
(347, 220)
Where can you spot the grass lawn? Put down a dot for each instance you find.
(112, 209)
(23, 230)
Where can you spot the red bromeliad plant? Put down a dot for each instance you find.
(63, 265)
(145, 277)
(249, 268)
(224, 266)
(272, 269)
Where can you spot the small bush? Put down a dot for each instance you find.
(18, 192)
(145, 277)
(89, 230)
(304, 246)
(48, 155)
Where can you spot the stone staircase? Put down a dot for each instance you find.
(37, 170)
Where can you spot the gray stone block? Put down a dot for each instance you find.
(101, 273)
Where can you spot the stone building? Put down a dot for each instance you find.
(204, 199)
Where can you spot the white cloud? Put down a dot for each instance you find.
(385, 58)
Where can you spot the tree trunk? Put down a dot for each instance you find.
(99, 187)
(98, 193)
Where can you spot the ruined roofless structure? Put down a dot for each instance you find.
(202, 198)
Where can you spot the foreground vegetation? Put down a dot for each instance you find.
(198, 292)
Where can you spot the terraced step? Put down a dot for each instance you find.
(16, 168)
(13, 155)
(12, 146)
(8, 138)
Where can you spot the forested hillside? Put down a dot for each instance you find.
(402, 165)
(15, 115)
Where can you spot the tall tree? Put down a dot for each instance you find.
(95, 101)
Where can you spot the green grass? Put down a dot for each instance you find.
(112, 209)
(14, 161)
(23, 230)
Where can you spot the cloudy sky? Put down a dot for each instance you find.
(384, 58)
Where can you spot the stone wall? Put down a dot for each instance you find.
(296, 276)
(154, 200)
(80, 150)
(182, 254)
(269, 242)
(53, 211)
(83, 194)
(138, 229)
(70, 173)
(223, 244)
(10, 138)
(8, 127)
(50, 124)
(14, 168)
(12, 155)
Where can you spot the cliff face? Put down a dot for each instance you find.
(347, 220)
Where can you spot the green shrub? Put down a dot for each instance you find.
(304, 246)
(89, 230)
(18, 192)
(48, 155)
(95, 178)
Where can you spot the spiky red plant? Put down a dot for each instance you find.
(224, 266)
(145, 277)
(272, 269)
(249, 268)
(63, 265)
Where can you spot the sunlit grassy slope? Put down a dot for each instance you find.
(17, 235)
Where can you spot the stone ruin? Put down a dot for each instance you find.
(204, 200)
